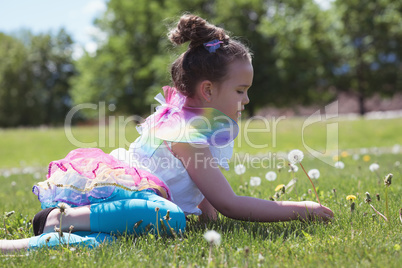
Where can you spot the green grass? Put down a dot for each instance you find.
(39, 146)
(350, 240)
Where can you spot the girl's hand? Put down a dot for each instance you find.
(315, 211)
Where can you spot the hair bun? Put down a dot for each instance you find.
(196, 30)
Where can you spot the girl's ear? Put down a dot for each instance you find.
(206, 90)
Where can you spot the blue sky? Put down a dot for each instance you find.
(76, 16)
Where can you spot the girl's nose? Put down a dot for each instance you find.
(246, 100)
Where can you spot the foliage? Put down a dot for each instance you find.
(14, 78)
(371, 47)
(293, 56)
(302, 54)
(34, 78)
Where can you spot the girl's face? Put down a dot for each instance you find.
(231, 95)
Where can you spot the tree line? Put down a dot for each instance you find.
(302, 55)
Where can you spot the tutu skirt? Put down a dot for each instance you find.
(88, 175)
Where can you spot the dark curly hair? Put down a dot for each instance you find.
(197, 63)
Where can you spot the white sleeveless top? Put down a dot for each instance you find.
(172, 121)
(171, 171)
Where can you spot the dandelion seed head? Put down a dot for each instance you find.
(374, 167)
(270, 176)
(9, 214)
(295, 156)
(388, 179)
(314, 173)
(368, 198)
(339, 165)
(213, 237)
(293, 168)
(255, 181)
(63, 207)
(167, 216)
(352, 206)
(240, 169)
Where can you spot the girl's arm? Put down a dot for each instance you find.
(208, 211)
(204, 171)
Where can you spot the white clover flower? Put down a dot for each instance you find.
(240, 169)
(374, 167)
(314, 173)
(339, 165)
(293, 168)
(213, 237)
(255, 181)
(270, 176)
(295, 156)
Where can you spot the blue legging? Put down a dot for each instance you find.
(124, 212)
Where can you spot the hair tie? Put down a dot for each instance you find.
(213, 45)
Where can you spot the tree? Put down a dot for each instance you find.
(50, 59)
(132, 64)
(14, 80)
(302, 40)
(34, 78)
(371, 37)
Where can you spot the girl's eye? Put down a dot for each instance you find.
(240, 92)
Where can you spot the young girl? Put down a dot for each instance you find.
(172, 169)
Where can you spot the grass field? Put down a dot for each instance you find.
(358, 239)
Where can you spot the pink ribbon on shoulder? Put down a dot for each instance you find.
(171, 103)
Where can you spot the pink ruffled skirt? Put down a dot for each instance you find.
(89, 175)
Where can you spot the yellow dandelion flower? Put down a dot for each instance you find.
(336, 157)
(366, 158)
(279, 187)
(344, 154)
(351, 197)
